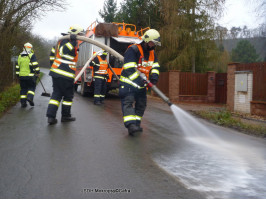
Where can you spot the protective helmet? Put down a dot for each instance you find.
(152, 35)
(104, 52)
(28, 46)
(76, 30)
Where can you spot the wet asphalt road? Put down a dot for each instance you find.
(95, 158)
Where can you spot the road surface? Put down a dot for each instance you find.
(94, 157)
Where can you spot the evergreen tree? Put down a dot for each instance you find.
(187, 33)
(109, 11)
(244, 52)
(142, 13)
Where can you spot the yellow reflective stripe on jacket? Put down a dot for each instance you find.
(134, 76)
(155, 65)
(130, 65)
(96, 95)
(128, 81)
(155, 71)
(101, 72)
(67, 103)
(69, 46)
(68, 57)
(104, 62)
(62, 72)
(37, 68)
(66, 61)
(54, 102)
(129, 118)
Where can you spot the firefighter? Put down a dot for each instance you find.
(27, 71)
(138, 58)
(101, 76)
(63, 74)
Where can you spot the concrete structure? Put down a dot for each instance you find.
(241, 88)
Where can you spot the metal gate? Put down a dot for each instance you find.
(221, 88)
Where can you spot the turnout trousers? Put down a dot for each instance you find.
(99, 89)
(133, 102)
(62, 89)
(27, 88)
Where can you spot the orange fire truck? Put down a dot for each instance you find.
(117, 36)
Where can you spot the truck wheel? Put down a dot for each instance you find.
(83, 88)
(76, 87)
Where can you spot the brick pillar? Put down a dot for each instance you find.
(211, 87)
(231, 85)
(174, 77)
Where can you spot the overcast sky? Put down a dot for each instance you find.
(84, 12)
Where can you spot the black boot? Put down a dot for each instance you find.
(30, 101)
(97, 103)
(134, 130)
(52, 120)
(68, 119)
(23, 105)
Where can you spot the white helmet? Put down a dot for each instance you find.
(152, 35)
(28, 46)
(76, 30)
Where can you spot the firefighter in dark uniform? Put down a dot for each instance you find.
(100, 66)
(63, 75)
(139, 58)
(27, 71)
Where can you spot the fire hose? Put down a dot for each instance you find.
(120, 57)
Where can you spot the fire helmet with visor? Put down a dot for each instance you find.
(152, 35)
(76, 30)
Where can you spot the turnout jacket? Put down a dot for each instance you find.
(137, 57)
(64, 65)
(100, 66)
(27, 65)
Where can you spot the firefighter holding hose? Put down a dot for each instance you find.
(140, 61)
(63, 74)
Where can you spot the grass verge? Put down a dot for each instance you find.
(10, 96)
(225, 118)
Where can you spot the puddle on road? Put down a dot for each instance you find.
(208, 164)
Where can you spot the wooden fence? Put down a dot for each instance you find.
(187, 86)
(193, 83)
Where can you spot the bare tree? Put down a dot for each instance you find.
(16, 17)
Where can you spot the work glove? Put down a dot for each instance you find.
(153, 81)
(73, 37)
(107, 76)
